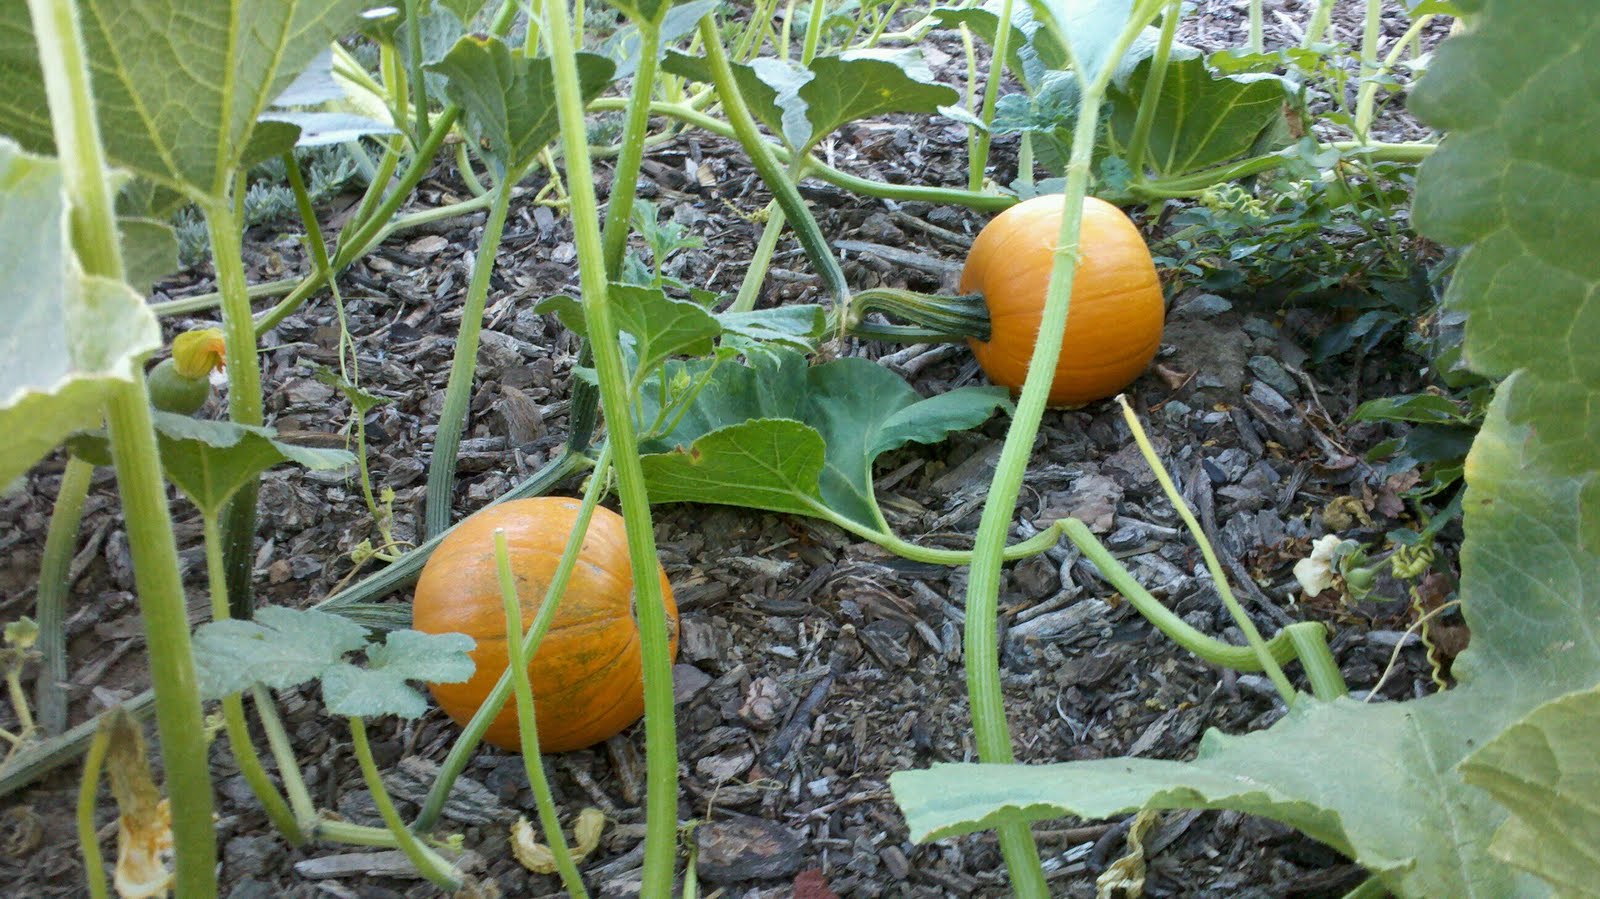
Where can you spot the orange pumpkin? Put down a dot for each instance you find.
(1114, 323)
(587, 676)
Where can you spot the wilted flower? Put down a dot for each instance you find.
(1315, 572)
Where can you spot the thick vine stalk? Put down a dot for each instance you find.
(244, 394)
(458, 395)
(133, 449)
(661, 779)
(983, 587)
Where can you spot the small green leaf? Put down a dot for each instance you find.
(775, 434)
(1033, 49)
(210, 460)
(381, 689)
(623, 46)
(659, 325)
(280, 648)
(508, 99)
(1546, 771)
(1427, 408)
(70, 339)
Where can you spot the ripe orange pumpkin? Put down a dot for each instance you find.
(587, 676)
(1114, 324)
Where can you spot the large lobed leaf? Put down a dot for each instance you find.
(69, 338)
(178, 84)
(509, 99)
(781, 435)
(1516, 181)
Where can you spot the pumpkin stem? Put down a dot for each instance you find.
(933, 317)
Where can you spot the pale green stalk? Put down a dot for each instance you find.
(983, 585)
(428, 863)
(625, 184)
(1219, 579)
(1366, 101)
(819, 12)
(50, 607)
(818, 169)
(419, 88)
(527, 725)
(94, 867)
(1369, 55)
(661, 801)
(1281, 648)
(1139, 143)
(760, 261)
(133, 449)
(1318, 26)
(244, 392)
(1257, 44)
(458, 393)
(991, 93)
(305, 810)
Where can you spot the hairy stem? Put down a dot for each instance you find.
(94, 868)
(244, 751)
(1219, 578)
(1139, 143)
(981, 640)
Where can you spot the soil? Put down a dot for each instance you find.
(812, 666)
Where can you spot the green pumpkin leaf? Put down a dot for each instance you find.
(778, 435)
(279, 648)
(210, 460)
(1384, 782)
(70, 339)
(381, 688)
(1033, 50)
(805, 104)
(660, 326)
(282, 648)
(1544, 768)
(1202, 118)
(796, 327)
(1425, 408)
(178, 84)
(509, 100)
(1090, 27)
